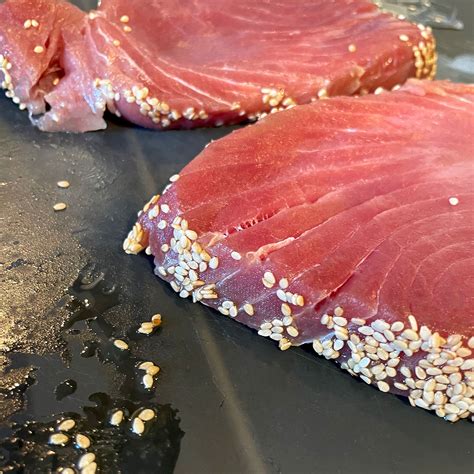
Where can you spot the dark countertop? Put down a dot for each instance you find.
(244, 405)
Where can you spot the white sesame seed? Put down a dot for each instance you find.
(213, 263)
(352, 48)
(60, 206)
(152, 370)
(63, 184)
(85, 460)
(120, 344)
(410, 334)
(269, 277)
(338, 345)
(281, 295)
(276, 336)
(38, 49)
(358, 321)
(27, 24)
(403, 38)
(264, 332)
(468, 365)
(147, 414)
(147, 381)
(284, 344)
(285, 309)
(366, 330)
(248, 308)
(82, 441)
(317, 346)
(116, 418)
(67, 470)
(116, 42)
(266, 326)
(283, 283)
(236, 255)
(58, 439)
(339, 320)
(338, 311)
(90, 468)
(292, 331)
(287, 320)
(383, 386)
(397, 326)
(138, 427)
(127, 29)
(66, 425)
(174, 178)
(299, 300)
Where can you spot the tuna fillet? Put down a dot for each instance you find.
(175, 64)
(347, 224)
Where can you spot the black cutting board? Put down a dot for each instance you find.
(244, 406)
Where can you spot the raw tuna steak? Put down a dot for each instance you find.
(347, 224)
(176, 64)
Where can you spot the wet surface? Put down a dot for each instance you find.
(67, 291)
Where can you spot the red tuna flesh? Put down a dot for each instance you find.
(175, 64)
(347, 224)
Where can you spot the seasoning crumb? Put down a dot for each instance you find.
(63, 184)
(120, 344)
(60, 206)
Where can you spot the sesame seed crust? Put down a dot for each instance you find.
(434, 370)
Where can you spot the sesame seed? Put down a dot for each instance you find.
(269, 277)
(147, 381)
(383, 386)
(292, 331)
(138, 427)
(358, 321)
(63, 184)
(66, 425)
(116, 418)
(339, 320)
(120, 344)
(300, 300)
(403, 38)
(85, 460)
(236, 255)
(397, 326)
(413, 322)
(60, 206)
(153, 370)
(82, 441)
(116, 42)
(27, 24)
(283, 283)
(281, 295)
(284, 344)
(454, 201)
(58, 439)
(352, 48)
(248, 308)
(68, 470)
(147, 414)
(338, 345)
(124, 19)
(366, 330)
(264, 332)
(38, 49)
(174, 178)
(285, 309)
(338, 311)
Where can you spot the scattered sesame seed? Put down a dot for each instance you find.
(269, 277)
(454, 201)
(58, 439)
(60, 206)
(116, 418)
(27, 24)
(285, 309)
(34, 24)
(67, 470)
(66, 425)
(127, 29)
(124, 19)
(403, 38)
(236, 255)
(63, 184)
(174, 178)
(283, 283)
(82, 441)
(85, 460)
(383, 386)
(352, 48)
(292, 331)
(38, 49)
(147, 381)
(120, 344)
(146, 415)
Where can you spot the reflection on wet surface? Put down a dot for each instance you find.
(29, 446)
